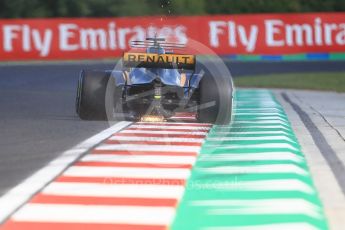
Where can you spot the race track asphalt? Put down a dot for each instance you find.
(37, 116)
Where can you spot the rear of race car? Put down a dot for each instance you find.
(153, 86)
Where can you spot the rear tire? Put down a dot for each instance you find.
(215, 99)
(95, 95)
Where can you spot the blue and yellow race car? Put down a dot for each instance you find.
(152, 86)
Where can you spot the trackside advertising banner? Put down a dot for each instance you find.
(268, 34)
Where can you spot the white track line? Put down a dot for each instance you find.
(257, 109)
(270, 138)
(265, 156)
(161, 127)
(153, 148)
(126, 172)
(256, 146)
(149, 159)
(279, 185)
(158, 139)
(95, 214)
(18, 195)
(256, 169)
(284, 206)
(280, 226)
(270, 118)
(259, 132)
(262, 122)
(261, 113)
(174, 123)
(254, 126)
(168, 191)
(198, 132)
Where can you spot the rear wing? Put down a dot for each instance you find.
(164, 61)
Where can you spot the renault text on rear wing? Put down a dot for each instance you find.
(165, 61)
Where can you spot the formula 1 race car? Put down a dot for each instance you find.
(152, 86)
